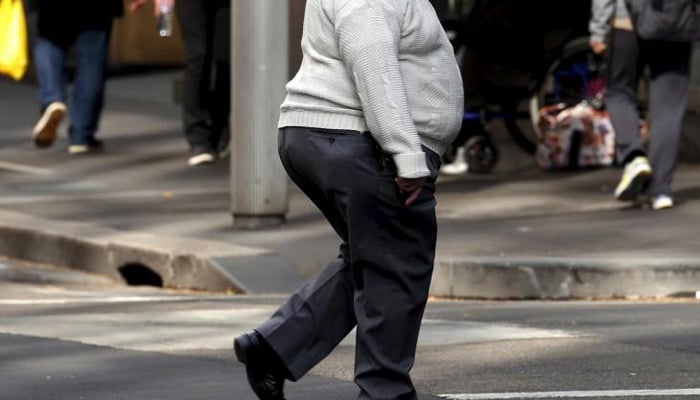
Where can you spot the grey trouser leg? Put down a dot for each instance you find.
(669, 65)
(624, 70)
(379, 283)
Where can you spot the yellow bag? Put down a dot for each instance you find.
(13, 39)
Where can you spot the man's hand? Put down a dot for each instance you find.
(412, 186)
(598, 47)
(136, 4)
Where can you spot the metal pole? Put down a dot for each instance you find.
(259, 72)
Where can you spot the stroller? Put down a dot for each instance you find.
(516, 57)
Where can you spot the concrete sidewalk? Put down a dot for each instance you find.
(138, 213)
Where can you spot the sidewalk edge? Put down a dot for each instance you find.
(565, 278)
(182, 263)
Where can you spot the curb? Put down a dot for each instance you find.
(566, 278)
(194, 264)
(180, 263)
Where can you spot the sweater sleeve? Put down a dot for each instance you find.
(368, 34)
(601, 13)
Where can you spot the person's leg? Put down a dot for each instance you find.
(393, 249)
(624, 68)
(668, 98)
(196, 35)
(319, 314)
(91, 49)
(221, 94)
(49, 51)
(49, 60)
(220, 110)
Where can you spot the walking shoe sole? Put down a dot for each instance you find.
(635, 187)
(201, 159)
(46, 129)
(78, 149)
(239, 348)
(659, 205)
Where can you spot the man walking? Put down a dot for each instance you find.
(377, 99)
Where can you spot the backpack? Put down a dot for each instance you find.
(669, 20)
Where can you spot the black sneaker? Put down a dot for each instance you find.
(223, 147)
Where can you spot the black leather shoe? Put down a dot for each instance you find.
(264, 373)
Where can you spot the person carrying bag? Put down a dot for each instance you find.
(13, 39)
(634, 35)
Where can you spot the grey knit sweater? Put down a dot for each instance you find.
(383, 66)
(602, 11)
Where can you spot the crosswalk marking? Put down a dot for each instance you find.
(574, 394)
(26, 169)
(96, 300)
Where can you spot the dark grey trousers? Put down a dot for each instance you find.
(380, 280)
(669, 66)
(205, 26)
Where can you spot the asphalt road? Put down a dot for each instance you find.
(64, 335)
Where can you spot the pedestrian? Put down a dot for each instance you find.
(377, 99)
(648, 173)
(205, 26)
(83, 26)
(206, 98)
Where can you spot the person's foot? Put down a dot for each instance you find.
(458, 166)
(46, 129)
(262, 366)
(635, 179)
(93, 146)
(223, 147)
(201, 158)
(661, 202)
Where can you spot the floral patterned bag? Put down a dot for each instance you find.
(579, 136)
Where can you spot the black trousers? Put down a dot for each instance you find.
(380, 280)
(669, 66)
(206, 99)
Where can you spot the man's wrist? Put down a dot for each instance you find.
(411, 165)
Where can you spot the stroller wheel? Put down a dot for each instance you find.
(481, 155)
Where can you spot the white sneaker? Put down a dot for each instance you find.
(95, 146)
(46, 130)
(458, 166)
(200, 159)
(635, 178)
(661, 202)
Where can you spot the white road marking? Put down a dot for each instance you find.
(25, 169)
(171, 330)
(96, 300)
(574, 394)
(90, 196)
(160, 331)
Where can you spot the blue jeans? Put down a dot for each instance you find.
(91, 46)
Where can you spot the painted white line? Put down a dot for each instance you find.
(137, 194)
(152, 330)
(96, 300)
(574, 394)
(25, 169)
